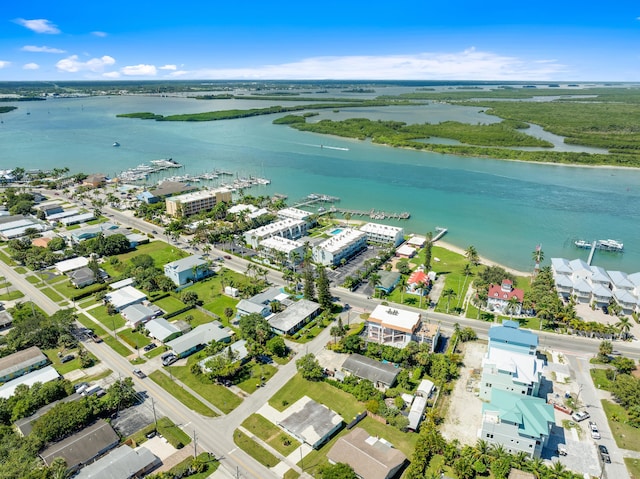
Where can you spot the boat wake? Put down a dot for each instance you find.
(325, 147)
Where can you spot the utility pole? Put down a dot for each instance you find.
(195, 445)
(155, 419)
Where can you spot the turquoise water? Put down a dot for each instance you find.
(336, 231)
(502, 208)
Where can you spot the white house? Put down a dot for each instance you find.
(499, 297)
(383, 234)
(275, 245)
(341, 246)
(123, 297)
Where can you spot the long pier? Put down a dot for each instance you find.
(440, 233)
(592, 252)
(373, 213)
(316, 198)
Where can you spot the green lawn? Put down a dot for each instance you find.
(600, 380)
(254, 449)
(160, 251)
(21, 270)
(5, 258)
(633, 467)
(626, 437)
(11, 295)
(197, 317)
(271, 434)
(317, 458)
(169, 304)
(291, 474)
(210, 462)
(109, 321)
(254, 374)
(181, 394)
(88, 323)
(52, 295)
(340, 401)
(219, 304)
(172, 433)
(134, 338)
(117, 345)
(217, 395)
(156, 352)
(52, 354)
(32, 280)
(403, 441)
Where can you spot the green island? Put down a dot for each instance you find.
(231, 114)
(7, 109)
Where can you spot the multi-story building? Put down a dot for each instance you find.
(297, 214)
(287, 228)
(500, 296)
(383, 234)
(275, 246)
(192, 203)
(510, 371)
(397, 327)
(343, 245)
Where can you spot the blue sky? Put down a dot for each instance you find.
(347, 39)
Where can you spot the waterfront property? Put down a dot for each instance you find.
(500, 298)
(276, 246)
(383, 234)
(344, 245)
(95, 180)
(510, 371)
(289, 228)
(369, 456)
(191, 203)
(397, 327)
(518, 423)
(388, 281)
(294, 317)
(418, 283)
(406, 251)
(297, 214)
(382, 375)
(310, 422)
(187, 270)
(21, 362)
(510, 337)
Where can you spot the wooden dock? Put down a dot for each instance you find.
(592, 252)
(440, 232)
(372, 214)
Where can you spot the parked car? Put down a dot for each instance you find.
(562, 450)
(226, 256)
(139, 373)
(80, 387)
(150, 346)
(580, 416)
(67, 358)
(594, 430)
(605, 310)
(604, 454)
(169, 360)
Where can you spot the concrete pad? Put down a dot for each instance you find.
(160, 447)
(280, 469)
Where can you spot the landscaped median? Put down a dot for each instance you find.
(181, 394)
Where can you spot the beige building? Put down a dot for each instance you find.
(192, 203)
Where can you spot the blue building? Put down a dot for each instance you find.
(510, 337)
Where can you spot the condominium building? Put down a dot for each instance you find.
(341, 246)
(288, 228)
(383, 234)
(296, 214)
(192, 203)
(275, 245)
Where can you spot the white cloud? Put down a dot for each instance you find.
(169, 67)
(42, 49)
(30, 66)
(72, 64)
(139, 70)
(469, 64)
(99, 34)
(111, 75)
(39, 26)
(4, 64)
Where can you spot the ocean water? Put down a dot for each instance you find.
(503, 208)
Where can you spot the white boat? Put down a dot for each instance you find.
(115, 143)
(582, 244)
(610, 245)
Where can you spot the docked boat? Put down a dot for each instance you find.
(115, 143)
(582, 244)
(610, 245)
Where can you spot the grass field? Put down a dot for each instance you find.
(52, 295)
(110, 322)
(169, 304)
(254, 449)
(134, 338)
(88, 323)
(271, 434)
(633, 467)
(254, 374)
(341, 402)
(626, 437)
(210, 462)
(172, 433)
(600, 379)
(197, 317)
(66, 289)
(5, 258)
(117, 346)
(181, 394)
(11, 295)
(52, 354)
(160, 251)
(32, 280)
(217, 395)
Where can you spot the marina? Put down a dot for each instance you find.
(605, 245)
(373, 214)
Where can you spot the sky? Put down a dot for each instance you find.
(329, 39)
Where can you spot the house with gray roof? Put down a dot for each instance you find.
(187, 270)
(43, 375)
(198, 338)
(84, 446)
(162, 330)
(294, 317)
(139, 313)
(310, 422)
(6, 320)
(21, 362)
(416, 413)
(246, 306)
(121, 463)
(516, 422)
(382, 375)
(82, 277)
(24, 426)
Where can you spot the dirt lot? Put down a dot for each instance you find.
(464, 417)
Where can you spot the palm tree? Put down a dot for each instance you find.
(466, 271)
(472, 255)
(449, 293)
(624, 326)
(295, 259)
(403, 286)
(374, 280)
(512, 305)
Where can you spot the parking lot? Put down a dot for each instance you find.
(351, 268)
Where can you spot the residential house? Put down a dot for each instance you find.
(162, 330)
(370, 457)
(123, 462)
(500, 296)
(95, 180)
(239, 350)
(310, 422)
(344, 245)
(43, 375)
(510, 337)
(139, 313)
(294, 317)
(397, 327)
(72, 264)
(388, 281)
(623, 290)
(405, 251)
(417, 241)
(82, 277)
(246, 306)
(416, 413)
(382, 375)
(24, 426)
(198, 338)
(383, 234)
(84, 446)
(77, 219)
(187, 270)
(21, 362)
(516, 422)
(418, 283)
(510, 371)
(123, 297)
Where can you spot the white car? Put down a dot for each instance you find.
(580, 416)
(594, 430)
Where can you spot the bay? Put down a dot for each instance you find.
(503, 208)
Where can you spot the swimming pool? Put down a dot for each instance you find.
(336, 231)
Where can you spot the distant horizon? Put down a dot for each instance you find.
(256, 41)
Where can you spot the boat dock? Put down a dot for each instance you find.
(440, 232)
(313, 198)
(592, 252)
(373, 214)
(604, 245)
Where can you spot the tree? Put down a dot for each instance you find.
(403, 266)
(512, 305)
(277, 346)
(228, 313)
(254, 327)
(448, 294)
(374, 281)
(605, 350)
(190, 298)
(472, 255)
(339, 470)
(624, 326)
(310, 368)
(322, 284)
(309, 288)
(428, 247)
